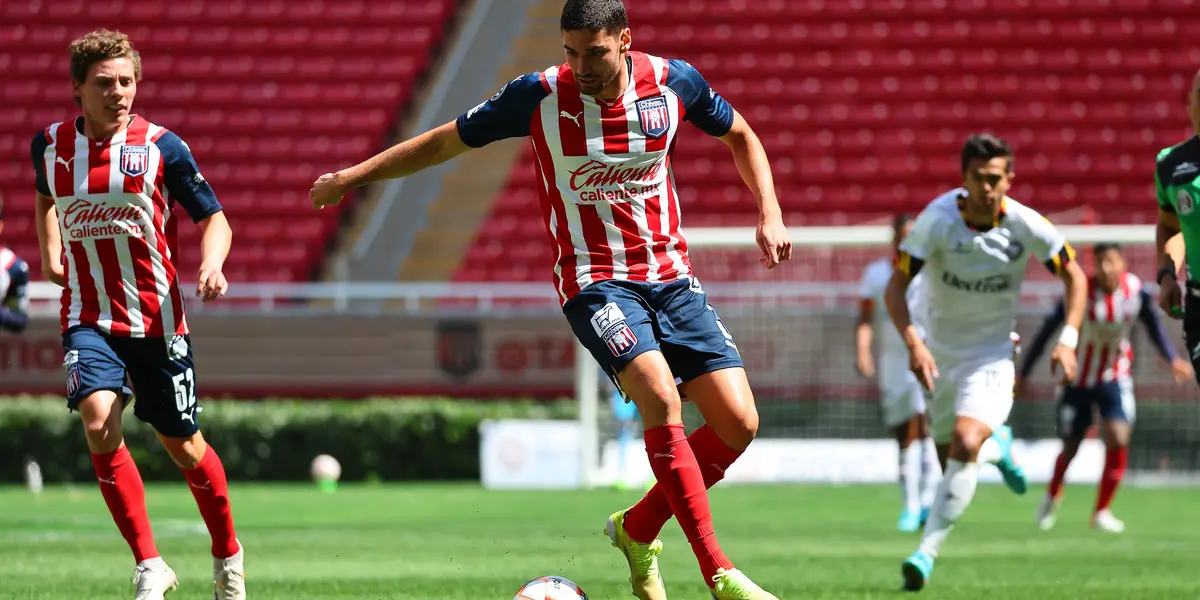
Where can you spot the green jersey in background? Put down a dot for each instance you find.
(1177, 184)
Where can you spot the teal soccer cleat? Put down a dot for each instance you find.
(916, 570)
(909, 521)
(1014, 475)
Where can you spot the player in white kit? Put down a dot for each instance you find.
(974, 244)
(901, 396)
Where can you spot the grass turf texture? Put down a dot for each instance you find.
(460, 542)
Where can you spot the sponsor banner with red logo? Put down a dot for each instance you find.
(255, 355)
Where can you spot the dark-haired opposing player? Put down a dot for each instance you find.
(1116, 301)
(603, 125)
(14, 287)
(974, 243)
(109, 185)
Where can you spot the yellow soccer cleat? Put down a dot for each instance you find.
(642, 558)
(734, 585)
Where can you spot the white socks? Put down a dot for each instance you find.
(931, 472)
(953, 496)
(910, 477)
(989, 451)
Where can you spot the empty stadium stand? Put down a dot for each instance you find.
(863, 107)
(268, 94)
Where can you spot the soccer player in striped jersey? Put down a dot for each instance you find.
(902, 399)
(603, 125)
(108, 185)
(14, 287)
(1116, 301)
(974, 244)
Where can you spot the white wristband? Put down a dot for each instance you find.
(1069, 337)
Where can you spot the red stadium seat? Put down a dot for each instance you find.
(863, 107)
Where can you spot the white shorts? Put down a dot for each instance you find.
(901, 395)
(979, 388)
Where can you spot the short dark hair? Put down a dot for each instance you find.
(900, 220)
(986, 146)
(1103, 247)
(595, 15)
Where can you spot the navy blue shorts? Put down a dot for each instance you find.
(619, 320)
(1113, 400)
(161, 371)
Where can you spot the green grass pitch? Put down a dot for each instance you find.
(460, 542)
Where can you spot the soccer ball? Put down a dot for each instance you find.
(550, 588)
(326, 468)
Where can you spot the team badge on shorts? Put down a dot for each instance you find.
(609, 323)
(74, 380)
(135, 160)
(177, 349)
(654, 116)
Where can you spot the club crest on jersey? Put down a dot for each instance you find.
(609, 323)
(654, 116)
(1184, 202)
(135, 160)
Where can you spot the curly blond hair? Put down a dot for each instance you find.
(98, 46)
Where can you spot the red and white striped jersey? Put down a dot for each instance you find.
(1105, 352)
(604, 167)
(115, 199)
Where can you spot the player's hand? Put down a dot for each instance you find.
(920, 361)
(1021, 389)
(865, 364)
(327, 189)
(774, 241)
(1170, 297)
(1182, 371)
(210, 284)
(1064, 357)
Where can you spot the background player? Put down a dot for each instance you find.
(14, 287)
(106, 182)
(602, 126)
(901, 396)
(974, 243)
(1115, 300)
(1177, 186)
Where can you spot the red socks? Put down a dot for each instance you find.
(682, 484)
(645, 520)
(123, 491)
(1060, 473)
(1115, 460)
(211, 491)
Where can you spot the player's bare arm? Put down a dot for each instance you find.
(1170, 298)
(755, 169)
(863, 334)
(214, 249)
(50, 240)
(920, 359)
(429, 149)
(1075, 299)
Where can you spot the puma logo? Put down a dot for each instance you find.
(207, 485)
(66, 163)
(663, 455)
(574, 118)
(717, 468)
(110, 481)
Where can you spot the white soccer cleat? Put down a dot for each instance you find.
(229, 576)
(1048, 512)
(1106, 521)
(153, 579)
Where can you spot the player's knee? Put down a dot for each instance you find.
(101, 419)
(185, 452)
(968, 440)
